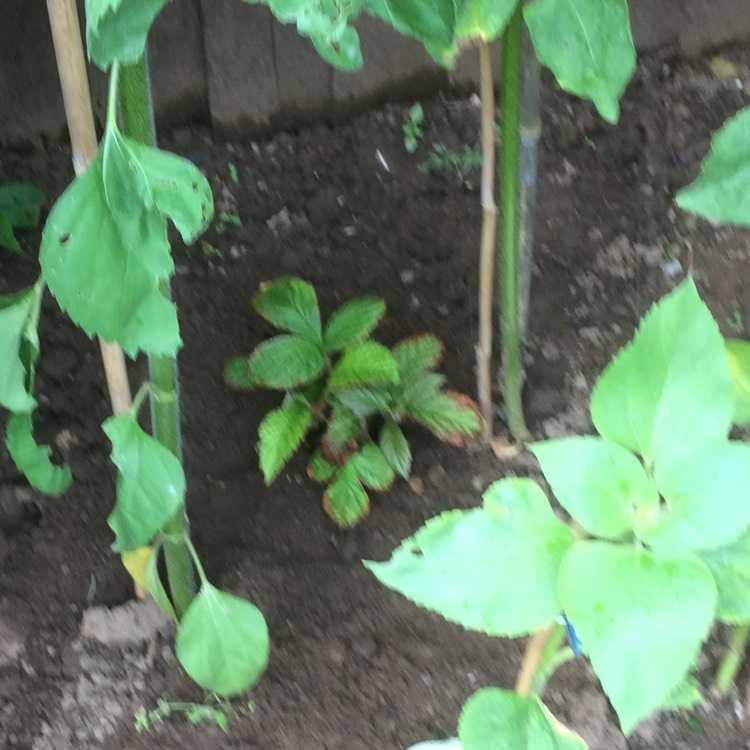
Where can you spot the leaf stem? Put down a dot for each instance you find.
(551, 658)
(536, 648)
(512, 374)
(732, 661)
(112, 92)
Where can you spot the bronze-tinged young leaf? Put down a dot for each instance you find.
(281, 432)
(290, 304)
(450, 416)
(237, 374)
(319, 470)
(352, 323)
(340, 438)
(418, 354)
(286, 361)
(345, 501)
(372, 468)
(368, 363)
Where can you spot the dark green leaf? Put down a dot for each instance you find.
(286, 361)
(281, 433)
(319, 470)
(450, 416)
(237, 373)
(20, 204)
(32, 460)
(364, 401)
(369, 363)
(417, 355)
(7, 238)
(352, 323)
(372, 468)
(395, 448)
(290, 304)
(345, 500)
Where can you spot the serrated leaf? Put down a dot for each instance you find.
(281, 432)
(368, 363)
(352, 323)
(641, 618)
(602, 485)
(588, 46)
(365, 401)
(447, 414)
(155, 585)
(290, 304)
(430, 21)
(20, 203)
(722, 192)
(19, 347)
(7, 238)
(104, 249)
(319, 470)
(222, 642)
(495, 719)
(342, 431)
(669, 388)
(417, 354)
(372, 468)
(33, 460)
(707, 499)
(730, 566)
(738, 355)
(150, 485)
(346, 501)
(286, 361)
(237, 373)
(395, 448)
(444, 566)
(116, 30)
(483, 19)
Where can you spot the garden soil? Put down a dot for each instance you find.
(353, 665)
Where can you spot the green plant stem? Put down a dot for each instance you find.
(510, 329)
(138, 123)
(489, 237)
(732, 661)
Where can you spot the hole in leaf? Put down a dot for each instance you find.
(63, 240)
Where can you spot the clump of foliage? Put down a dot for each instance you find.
(656, 549)
(335, 377)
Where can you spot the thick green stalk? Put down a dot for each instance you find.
(138, 123)
(510, 327)
(732, 661)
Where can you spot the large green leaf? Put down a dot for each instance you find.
(352, 323)
(485, 19)
(290, 303)
(641, 618)
(395, 448)
(20, 203)
(430, 21)
(738, 355)
(116, 30)
(286, 361)
(495, 719)
(368, 363)
(730, 566)
(372, 468)
(707, 494)
(722, 192)
(417, 354)
(587, 45)
(514, 540)
(33, 460)
(104, 249)
(150, 485)
(19, 347)
(670, 387)
(281, 433)
(222, 642)
(346, 501)
(602, 485)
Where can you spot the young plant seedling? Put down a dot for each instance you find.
(412, 127)
(655, 551)
(337, 377)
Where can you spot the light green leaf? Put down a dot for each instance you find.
(641, 618)
(685, 696)
(19, 347)
(670, 387)
(20, 204)
(418, 354)
(150, 485)
(368, 363)
(155, 585)
(346, 501)
(281, 432)
(427, 20)
(395, 448)
(722, 192)
(602, 485)
(319, 470)
(365, 401)
(707, 499)
(342, 51)
(222, 642)
(372, 468)
(495, 719)
(290, 304)
(587, 45)
(116, 30)
(485, 19)
(738, 354)
(33, 460)
(7, 238)
(444, 566)
(352, 323)
(286, 361)
(237, 373)
(104, 249)
(730, 566)
(447, 414)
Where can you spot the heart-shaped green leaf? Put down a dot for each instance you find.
(730, 566)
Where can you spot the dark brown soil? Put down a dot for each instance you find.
(353, 665)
